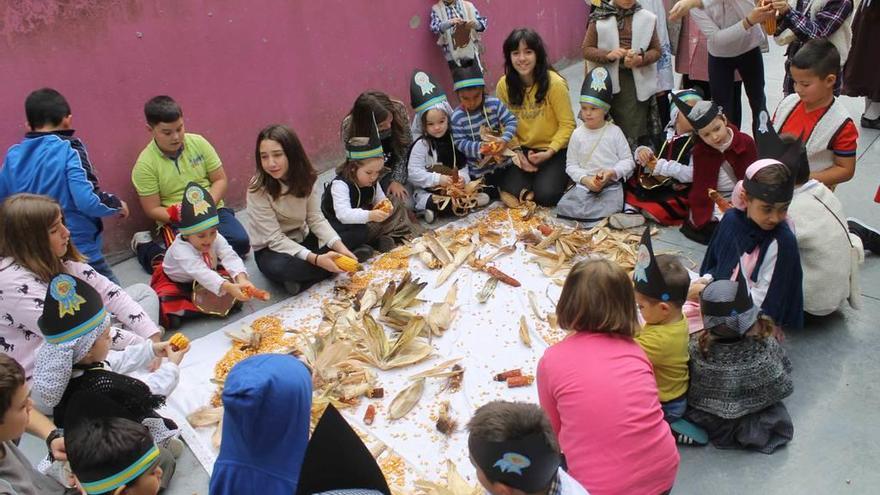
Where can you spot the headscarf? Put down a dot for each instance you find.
(267, 402)
(607, 9)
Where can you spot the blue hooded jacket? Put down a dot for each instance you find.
(47, 163)
(267, 401)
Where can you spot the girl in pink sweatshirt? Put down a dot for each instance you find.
(598, 389)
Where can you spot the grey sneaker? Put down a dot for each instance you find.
(174, 445)
(428, 215)
(139, 238)
(482, 199)
(623, 221)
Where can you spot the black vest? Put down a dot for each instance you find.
(359, 197)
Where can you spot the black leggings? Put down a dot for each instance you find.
(282, 267)
(722, 79)
(548, 183)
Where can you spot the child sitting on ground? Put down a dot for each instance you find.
(502, 435)
(196, 255)
(76, 357)
(598, 389)
(453, 20)
(659, 189)
(434, 160)
(477, 112)
(598, 157)
(754, 237)
(17, 475)
(661, 285)
(114, 456)
(720, 158)
(816, 116)
(830, 277)
(622, 32)
(739, 373)
(354, 202)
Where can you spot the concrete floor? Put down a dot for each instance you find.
(836, 448)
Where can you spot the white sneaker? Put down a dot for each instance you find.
(139, 238)
(482, 199)
(428, 215)
(623, 221)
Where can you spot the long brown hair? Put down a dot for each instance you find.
(25, 220)
(378, 104)
(762, 329)
(598, 297)
(300, 177)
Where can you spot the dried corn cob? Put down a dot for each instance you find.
(520, 381)
(507, 279)
(545, 229)
(370, 415)
(504, 375)
(178, 341)
(347, 264)
(256, 293)
(376, 393)
(719, 200)
(384, 205)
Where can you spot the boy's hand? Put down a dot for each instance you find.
(234, 290)
(123, 210)
(59, 451)
(592, 183)
(616, 54)
(539, 157)
(681, 8)
(695, 290)
(781, 6)
(445, 180)
(761, 14)
(177, 356)
(633, 60)
(378, 216)
(397, 190)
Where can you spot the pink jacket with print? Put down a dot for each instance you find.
(21, 305)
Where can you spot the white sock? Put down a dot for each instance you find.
(872, 109)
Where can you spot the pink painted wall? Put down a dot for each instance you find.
(234, 66)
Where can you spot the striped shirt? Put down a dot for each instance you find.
(466, 129)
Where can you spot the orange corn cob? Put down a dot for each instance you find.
(384, 205)
(504, 375)
(719, 200)
(178, 341)
(545, 229)
(256, 293)
(520, 381)
(370, 415)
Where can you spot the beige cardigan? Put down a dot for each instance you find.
(282, 224)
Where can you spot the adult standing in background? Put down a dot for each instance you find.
(861, 76)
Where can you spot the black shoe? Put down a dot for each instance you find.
(870, 123)
(701, 236)
(385, 243)
(293, 288)
(870, 237)
(363, 253)
(174, 322)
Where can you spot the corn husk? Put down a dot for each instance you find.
(533, 302)
(446, 423)
(246, 338)
(455, 484)
(492, 237)
(553, 320)
(524, 331)
(367, 301)
(217, 437)
(406, 399)
(397, 298)
(437, 248)
(440, 370)
(205, 416)
(377, 350)
(488, 289)
(441, 314)
(461, 256)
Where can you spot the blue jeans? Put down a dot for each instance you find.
(230, 228)
(101, 266)
(674, 409)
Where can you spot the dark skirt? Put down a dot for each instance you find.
(860, 76)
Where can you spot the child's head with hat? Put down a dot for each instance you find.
(429, 103)
(469, 85)
(76, 327)
(365, 158)
(197, 219)
(690, 97)
(661, 284)
(727, 308)
(707, 119)
(596, 96)
(513, 448)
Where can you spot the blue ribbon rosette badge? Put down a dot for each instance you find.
(197, 198)
(597, 82)
(643, 260)
(511, 462)
(63, 289)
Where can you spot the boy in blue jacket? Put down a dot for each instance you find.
(51, 161)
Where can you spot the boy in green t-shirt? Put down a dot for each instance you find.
(171, 160)
(661, 287)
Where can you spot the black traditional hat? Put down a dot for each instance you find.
(648, 278)
(467, 76)
(700, 115)
(771, 145)
(597, 89)
(361, 148)
(198, 212)
(125, 467)
(424, 92)
(337, 459)
(727, 307)
(71, 309)
(527, 463)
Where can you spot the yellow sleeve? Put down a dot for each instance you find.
(144, 178)
(559, 101)
(501, 91)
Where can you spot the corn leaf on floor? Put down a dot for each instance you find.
(836, 448)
